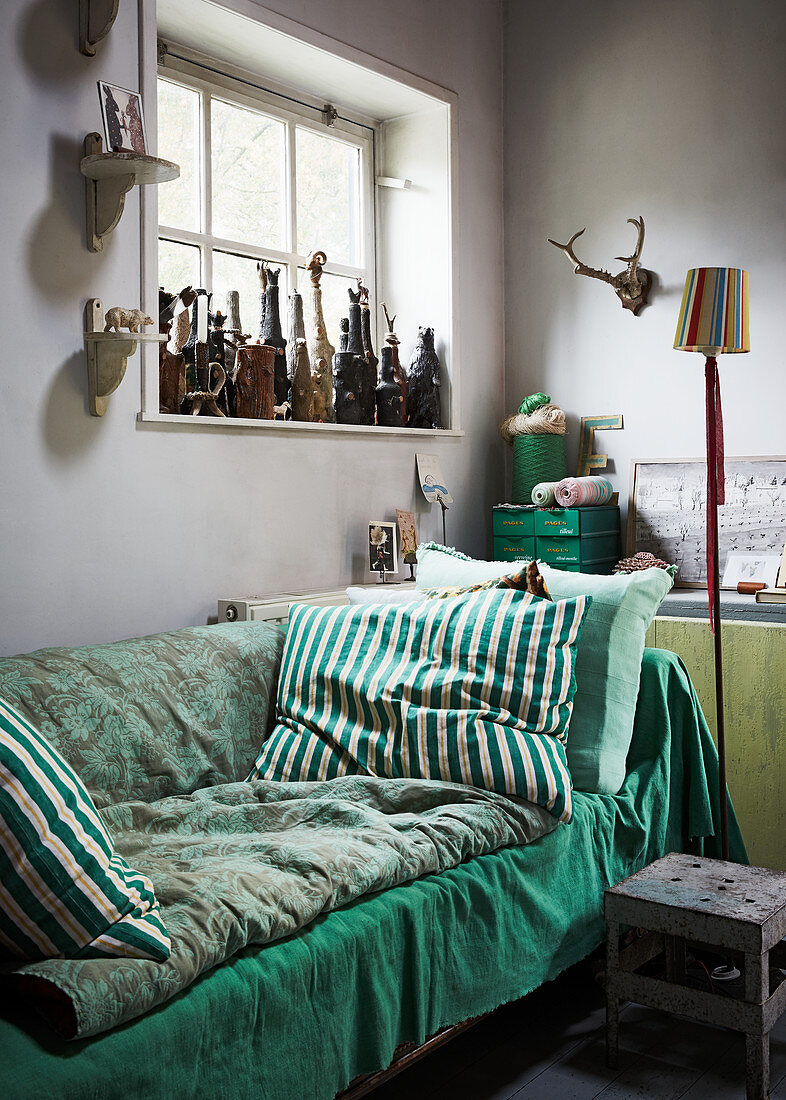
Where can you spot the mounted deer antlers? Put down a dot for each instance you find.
(631, 285)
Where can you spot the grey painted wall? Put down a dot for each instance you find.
(109, 528)
(675, 111)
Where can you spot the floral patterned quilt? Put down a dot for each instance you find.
(252, 862)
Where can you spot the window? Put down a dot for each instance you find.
(259, 181)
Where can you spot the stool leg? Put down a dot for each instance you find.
(612, 1000)
(757, 1045)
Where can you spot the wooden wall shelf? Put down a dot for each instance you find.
(96, 18)
(108, 178)
(107, 355)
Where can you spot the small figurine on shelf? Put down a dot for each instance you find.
(132, 319)
(399, 374)
(388, 394)
(253, 378)
(302, 384)
(198, 334)
(423, 381)
(218, 355)
(320, 350)
(345, 377)
(368, 369)
(262, 275)
(272, 336)
(297, 331)
(171, 365)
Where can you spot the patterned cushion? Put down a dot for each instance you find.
(63, 891)
(473, 689)
(528, 579)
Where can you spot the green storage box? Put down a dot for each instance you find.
(579, 522)
(513, 549)
(510, 522)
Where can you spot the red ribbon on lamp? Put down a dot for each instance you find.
(714, 321)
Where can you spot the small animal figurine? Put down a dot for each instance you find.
(423, 379)
(117, 318)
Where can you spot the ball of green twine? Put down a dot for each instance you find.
(534, 401)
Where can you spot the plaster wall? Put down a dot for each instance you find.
(109, 528)
(675, 111)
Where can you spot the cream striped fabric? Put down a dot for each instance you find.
(474, 689)
(63, 890)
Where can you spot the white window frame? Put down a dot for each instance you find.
(362, 62)
(352, 135)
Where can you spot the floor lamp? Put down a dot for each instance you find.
(714, 321)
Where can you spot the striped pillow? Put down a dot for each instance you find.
(63, 891)
(474, 689)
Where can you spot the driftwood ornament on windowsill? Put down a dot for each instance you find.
(632, 286)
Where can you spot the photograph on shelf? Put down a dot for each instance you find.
(382, 547)
(751, 567)
(124, 125)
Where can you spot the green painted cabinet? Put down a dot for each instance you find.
(754, 679)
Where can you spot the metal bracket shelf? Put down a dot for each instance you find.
(107, 355)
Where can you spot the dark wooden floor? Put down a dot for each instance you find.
(550, 1046)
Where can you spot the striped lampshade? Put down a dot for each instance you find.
(714, 311)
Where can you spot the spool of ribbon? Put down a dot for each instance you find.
(578, 492)
(543, 493)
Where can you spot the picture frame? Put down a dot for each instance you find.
(123, 119)
(667, 512)
(382, 557)
(751, 567)
(407, 535)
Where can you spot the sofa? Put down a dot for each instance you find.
(303, 953)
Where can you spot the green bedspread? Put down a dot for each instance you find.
(299, 1018)
(251, 863)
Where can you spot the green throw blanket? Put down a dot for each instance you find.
(251, 863)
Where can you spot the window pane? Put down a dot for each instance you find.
(239, 273)
(335, 301)
(328, 207)
(248, 158)
(178, 140)
(178, 266)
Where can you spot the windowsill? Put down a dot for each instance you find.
(216, 423)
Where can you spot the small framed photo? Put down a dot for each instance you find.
(751, 567)
(408, 535)
(124, 125)
(382, 547)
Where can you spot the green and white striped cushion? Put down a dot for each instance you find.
(63, 890)
(474, 689)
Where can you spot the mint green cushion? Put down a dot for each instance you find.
(608, 658)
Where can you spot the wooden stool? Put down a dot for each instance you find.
(709, 902)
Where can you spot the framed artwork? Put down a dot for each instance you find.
(382, 547)
(408, 535)
(124, 125)
(667, 512)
